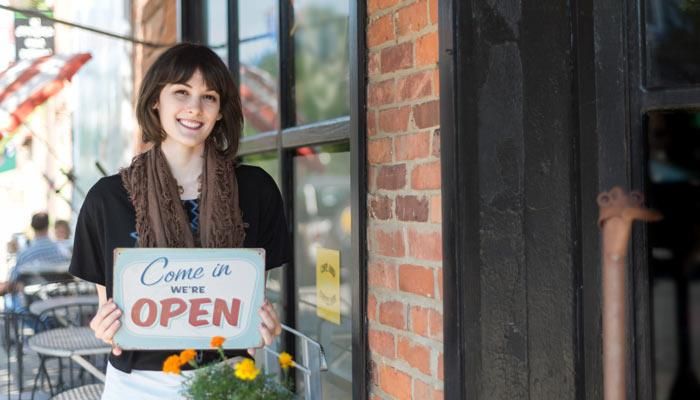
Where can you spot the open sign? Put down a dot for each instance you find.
(181, 298)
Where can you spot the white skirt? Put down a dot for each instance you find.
(143, 385)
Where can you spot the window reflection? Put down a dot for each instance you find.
(257, 32)
(674, 247)
(217, 27)
(672, 42)
(322, 220)
(321, 59)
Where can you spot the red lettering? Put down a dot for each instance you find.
(151, 312)
(231, 315)
(172, 307)
(196, 311)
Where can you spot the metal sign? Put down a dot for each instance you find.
(181, 298)
(34, 37)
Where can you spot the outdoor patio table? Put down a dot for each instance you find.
(74, 343)
(40, 306)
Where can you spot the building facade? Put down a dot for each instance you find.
(445, 160)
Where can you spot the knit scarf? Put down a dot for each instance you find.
(161, 220)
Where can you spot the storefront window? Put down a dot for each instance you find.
(323, 259)
(217, 31)
(672, 40)
(321, 59)
(258, 57)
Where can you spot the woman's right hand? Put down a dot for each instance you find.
(106, 323)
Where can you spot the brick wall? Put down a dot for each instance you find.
(404, 227)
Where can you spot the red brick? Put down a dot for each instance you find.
(411, 147)
(382, 275)
(419, 320)
(412, 208)
(436, 209)
(436, 324)
(371, 179)
(397, 57)
(380, 31)
(372, 123)
(436, 143)
(381, 93)
(379, 151)
(427, 114)
(427, 49)
(412, 18)
(380, 207)
(417, 280)
(389, 243)
(422, 390)
(381, 343)
(415, 86)
(425, 245)
(433, 5)
(441, 367)
(415, 354)
(394, 119)
(426, 176)
(373, 64)
(371, 307)
(374, 372)
(436, 82)
(395, 383)
(393, 314)
(440, 285)
(438, 395)
(391, 177)
(377, 5)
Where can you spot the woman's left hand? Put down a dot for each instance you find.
(270, 327)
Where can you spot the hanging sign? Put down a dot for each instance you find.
(181, 298)
(328, 284)
(34, 36)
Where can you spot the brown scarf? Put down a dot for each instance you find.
(161, 221)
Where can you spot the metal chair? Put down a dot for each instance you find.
(16, 328)
(85, 392)
(310, 363)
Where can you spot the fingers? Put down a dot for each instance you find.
(106, 323)
(271, 326)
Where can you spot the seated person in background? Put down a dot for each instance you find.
(40, 250)
(61, 231)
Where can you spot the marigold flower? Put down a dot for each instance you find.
(187, 356)
(172, 364)
(217, 341)
(285, 360)
(245, 370)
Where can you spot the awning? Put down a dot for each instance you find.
(27, 84)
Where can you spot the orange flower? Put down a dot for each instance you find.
(285, 360)
(217, 341)
(187, 356)
(172, 364)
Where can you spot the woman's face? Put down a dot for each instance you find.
(188, 112)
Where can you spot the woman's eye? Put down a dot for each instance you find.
(210, 97)
(181, 92)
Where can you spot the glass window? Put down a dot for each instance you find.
(321, 59)
(674, 251)
(322, 221)
(672, 42)
(257, 33)
(217, 23)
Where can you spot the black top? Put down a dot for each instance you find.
(107, 221)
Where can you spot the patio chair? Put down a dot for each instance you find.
(311, 362)
(17, 363)
(85, 392)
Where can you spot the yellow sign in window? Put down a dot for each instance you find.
(328, 284)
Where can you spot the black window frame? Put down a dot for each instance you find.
(283, 141)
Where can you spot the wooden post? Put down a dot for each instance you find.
(617, 212)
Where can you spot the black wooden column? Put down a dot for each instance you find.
(511, 186)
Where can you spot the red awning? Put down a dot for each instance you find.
(27, 84)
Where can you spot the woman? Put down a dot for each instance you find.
(186, 191)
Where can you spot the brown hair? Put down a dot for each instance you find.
(177, 65)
